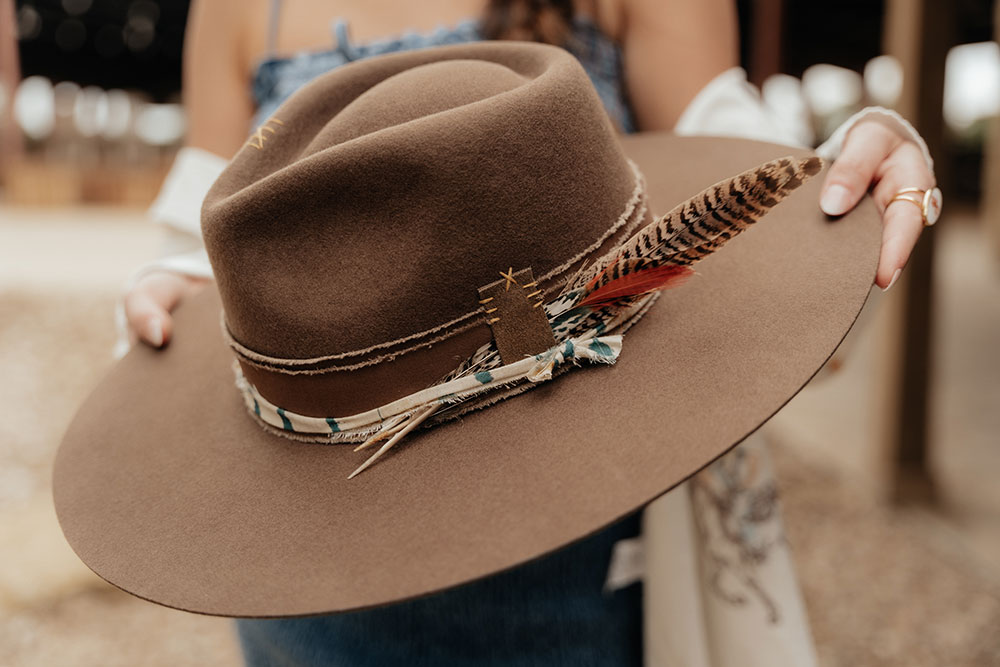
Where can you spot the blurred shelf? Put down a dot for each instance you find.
(32, 181)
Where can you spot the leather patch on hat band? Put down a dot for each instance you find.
(513, 309)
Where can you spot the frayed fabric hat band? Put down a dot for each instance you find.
(581, 338)
(592, 336)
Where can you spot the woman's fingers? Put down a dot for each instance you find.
(866, 147)
(148, 305)
(875, 157)
(902, 220)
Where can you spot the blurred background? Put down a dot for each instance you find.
(888, 462)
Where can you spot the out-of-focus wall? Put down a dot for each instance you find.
(97, 112)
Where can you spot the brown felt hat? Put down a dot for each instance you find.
(358, 241)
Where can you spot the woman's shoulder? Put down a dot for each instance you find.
(257, 28)
(238, 26)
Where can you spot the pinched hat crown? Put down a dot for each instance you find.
(357, 223)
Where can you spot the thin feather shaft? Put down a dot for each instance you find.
(413, 422)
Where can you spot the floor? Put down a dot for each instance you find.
(885, 586)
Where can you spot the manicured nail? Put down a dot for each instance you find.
(892, 282)
(154, 332)
(836, 200)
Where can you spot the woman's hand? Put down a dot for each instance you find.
(148, 305)
(877, 158)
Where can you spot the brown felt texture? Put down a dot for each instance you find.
(167, 488)
(390, 189)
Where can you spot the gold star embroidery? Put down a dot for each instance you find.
(509, 277)
(258, 138)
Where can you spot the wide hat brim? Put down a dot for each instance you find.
(168, 489)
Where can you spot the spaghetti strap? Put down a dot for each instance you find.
(277, 77)
(272, 27)
(343, 44)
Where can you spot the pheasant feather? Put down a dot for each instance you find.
(691, 231)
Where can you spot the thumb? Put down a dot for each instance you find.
(866, 147)
(151, 321)
(148, 306)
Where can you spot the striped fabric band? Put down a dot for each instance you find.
(356, 428)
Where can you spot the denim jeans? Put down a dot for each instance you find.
(552, 611)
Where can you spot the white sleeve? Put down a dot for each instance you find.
(730, 106)
(178, 205)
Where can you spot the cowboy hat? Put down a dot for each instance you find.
(414, 241)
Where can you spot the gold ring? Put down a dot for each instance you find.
(928, 201)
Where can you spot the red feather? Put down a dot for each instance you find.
(636, 283)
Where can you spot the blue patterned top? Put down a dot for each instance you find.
(277, 78)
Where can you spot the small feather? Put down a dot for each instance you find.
(636, 283)
(414, 421)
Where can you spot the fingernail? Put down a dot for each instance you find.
(892, 282)
(836, 200)
(154, 333)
